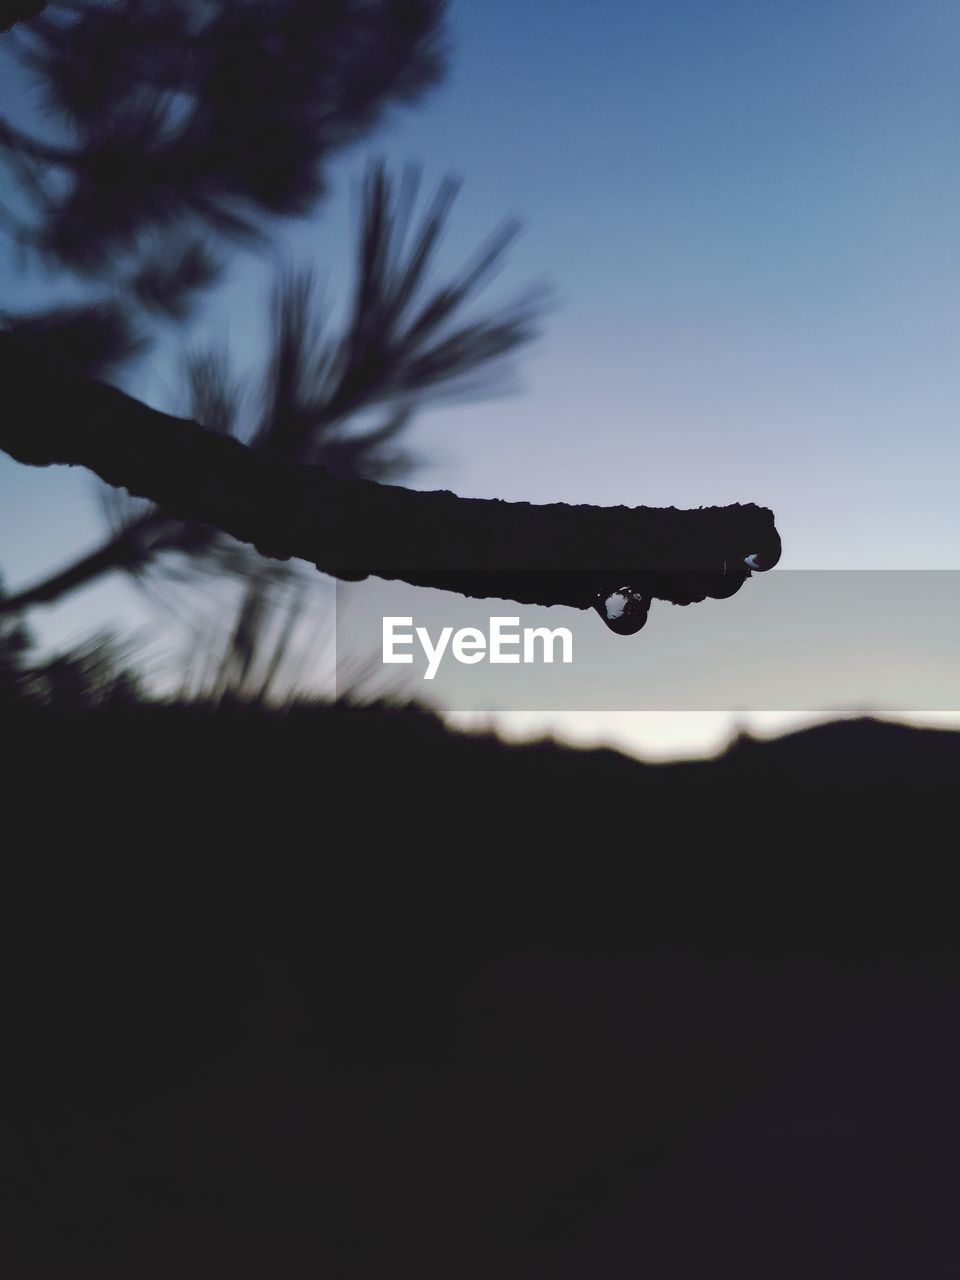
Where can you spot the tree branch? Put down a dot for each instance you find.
(552, 554)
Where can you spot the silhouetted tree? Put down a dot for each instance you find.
(188, 129)
(160, 104)
(90, 675)
(403, 343)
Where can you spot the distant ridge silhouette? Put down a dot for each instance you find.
(317, 990)
(858, 745)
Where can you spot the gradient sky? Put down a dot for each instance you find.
(749, 216)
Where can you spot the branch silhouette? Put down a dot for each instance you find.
(352, 528)
(410, 337)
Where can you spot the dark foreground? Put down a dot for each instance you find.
(339, 993)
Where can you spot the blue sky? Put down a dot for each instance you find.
(749, 216)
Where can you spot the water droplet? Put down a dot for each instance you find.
(624, 610)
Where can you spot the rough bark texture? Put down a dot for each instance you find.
(551, 554)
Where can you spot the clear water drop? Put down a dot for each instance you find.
(624, 610)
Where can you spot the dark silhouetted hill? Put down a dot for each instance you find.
(339, 991)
